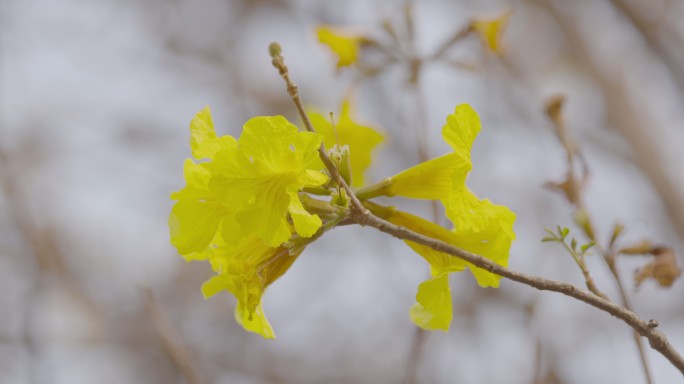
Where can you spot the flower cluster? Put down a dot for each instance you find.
(242, 207)
(247, 206)
(241, 204)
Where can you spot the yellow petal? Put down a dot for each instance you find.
(461, 130)
(492, 241)
(214, 285)
(305, 223)
(490, 31)
(203, 140)
(440, 262)
(193, 225)
(196, 182)
(429, 180)
(271, 161)
(488, 232)
(433, 311)
(310, 178)
(345, 46)
(255, 321)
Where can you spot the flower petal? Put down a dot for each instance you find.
(490, 31)
(305, 223)
(203, 141)
(433, 311)
(431, 180)
(214, 285)
(258, 176)
(461, 130)
(255, 321)
(345, 46)
(193, 225)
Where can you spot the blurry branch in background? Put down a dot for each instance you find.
(41, 243)
(398, 47)
(171, 340)
(628, 114)
(572, 190)
(671, 54)
(359, 214)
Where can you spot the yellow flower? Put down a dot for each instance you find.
(361, 139)
(345, 45)
(263, 175)
(246, 270)
(480, 226)
(490, 31)
(198, 213)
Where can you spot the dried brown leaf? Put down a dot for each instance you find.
(662, 268)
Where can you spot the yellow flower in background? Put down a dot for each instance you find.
(361, 139)
(246, 270)
(262, 178)
(345, 45)
(491, 31)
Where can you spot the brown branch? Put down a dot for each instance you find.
(657, 339)
(171, 340)
(356, 208)
(363, 217)
(574, 195)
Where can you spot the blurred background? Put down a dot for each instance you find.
(95, 102)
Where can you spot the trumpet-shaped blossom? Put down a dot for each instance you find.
(242, 203)
(480, 226)
(242, 208)
(361, 139)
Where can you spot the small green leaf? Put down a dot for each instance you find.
(548, 239)
(587, 246)
(617, 231)
(573, 244)
(564, 232)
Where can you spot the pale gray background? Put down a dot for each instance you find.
(95, 100)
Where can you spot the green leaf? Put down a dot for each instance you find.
(587, 246)
(563, 232)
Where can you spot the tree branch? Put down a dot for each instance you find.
(657, 339)
(362, 216)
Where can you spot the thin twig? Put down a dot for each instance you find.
(363, 216)
(657, 339)
(415, 63)
(356, 208)
(573, 188)
(173, 345)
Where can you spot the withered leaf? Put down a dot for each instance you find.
(662, 268)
